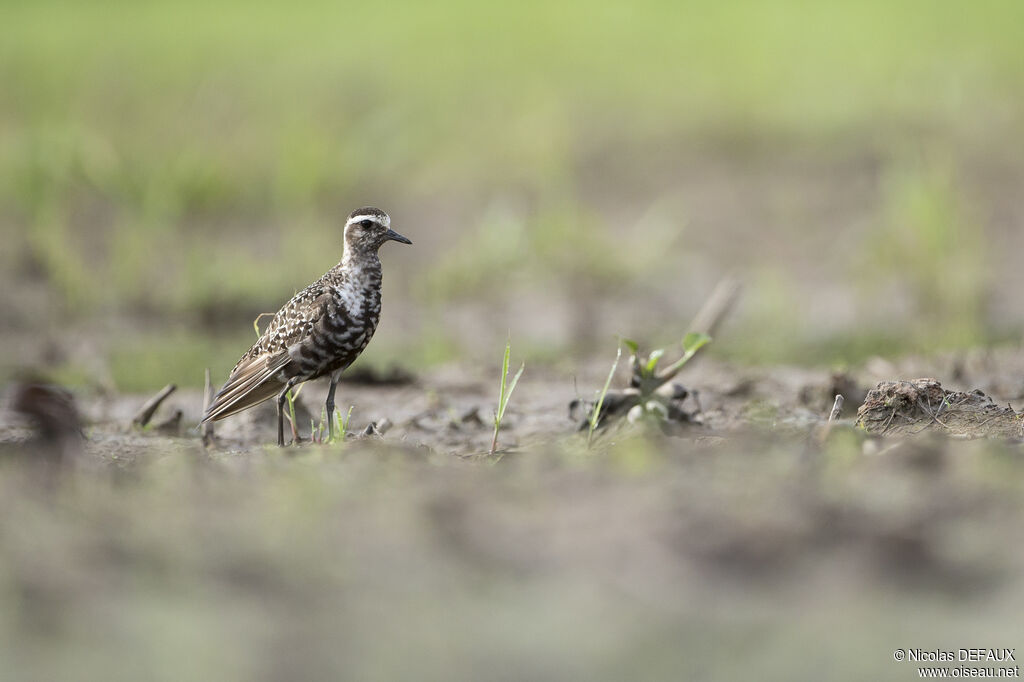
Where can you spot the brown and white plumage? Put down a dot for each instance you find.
(320, 331)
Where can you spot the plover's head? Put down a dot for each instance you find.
(368, 228)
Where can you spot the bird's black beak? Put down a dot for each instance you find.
(391, 234)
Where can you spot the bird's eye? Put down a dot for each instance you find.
(366, 223)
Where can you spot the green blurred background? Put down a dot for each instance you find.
(568, 172)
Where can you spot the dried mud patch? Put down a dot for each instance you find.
(906, 408)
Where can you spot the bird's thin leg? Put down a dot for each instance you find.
(330, 409)
(280, 411)
(280, 420)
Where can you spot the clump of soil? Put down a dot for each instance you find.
(904, 408)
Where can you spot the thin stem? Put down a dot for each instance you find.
(595, 416)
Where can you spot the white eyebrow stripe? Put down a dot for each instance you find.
(383, 220)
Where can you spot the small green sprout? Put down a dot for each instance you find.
(505, 393)
(341, 424)
(316, 431)
(647, 395)
(647, 379)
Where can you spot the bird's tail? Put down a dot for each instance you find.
(248, 385)
(221, 409)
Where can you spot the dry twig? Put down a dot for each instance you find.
(206, 429)
(837, 408)
(710, 316)
(143, 416)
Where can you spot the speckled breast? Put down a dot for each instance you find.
(342, 332)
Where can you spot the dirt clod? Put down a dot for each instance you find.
(904, 408)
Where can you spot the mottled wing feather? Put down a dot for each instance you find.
(292, 323)
(256, 376)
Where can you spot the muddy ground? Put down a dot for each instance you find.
(751, 546)
(449, 411)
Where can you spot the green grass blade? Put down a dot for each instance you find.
(256, 322)
(596, 414)
(511, 387)
(504, 379)
(291, 405)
